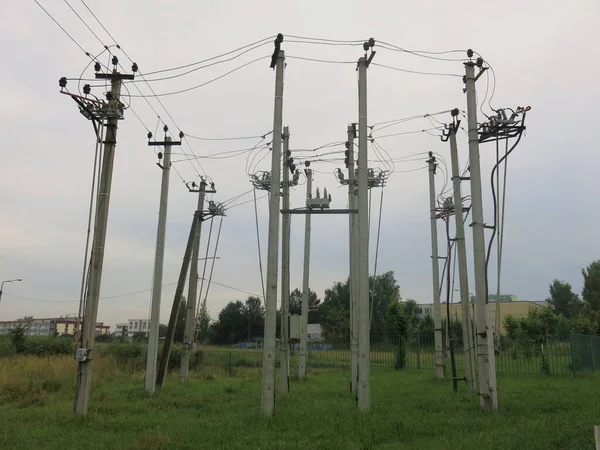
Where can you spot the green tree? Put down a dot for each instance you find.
(203, 324)
(397, 324)
(426, 330)
(17, 338)
(384, 292)
(512, 327)
(563, 300)
(314, 303)
(180, 323)
(229, 323)
(539, 327)
(254, 312)
(591, 286)
(334, 312)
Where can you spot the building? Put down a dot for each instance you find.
(49, 326)
(132, 326)
(515, 308)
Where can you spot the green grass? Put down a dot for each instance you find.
(410, 410)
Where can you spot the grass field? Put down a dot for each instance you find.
(410, 410)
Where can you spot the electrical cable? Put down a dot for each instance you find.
(212, 267)
(440, 74)
(376, 259)
(205, 260)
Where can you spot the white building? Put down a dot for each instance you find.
(133, 326)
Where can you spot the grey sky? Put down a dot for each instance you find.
(542, 54)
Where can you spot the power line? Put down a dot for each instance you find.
(441, 74)
(62, 28)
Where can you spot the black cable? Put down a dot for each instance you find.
(422, 53)
(164, 94)
(320, 60)
(322, 40)
(61, 27)
(442, 74)
(85, 23)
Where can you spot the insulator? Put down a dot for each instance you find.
(62, 82)
(87, 89)
(479, 62)
(181, 135)
(97, 66)
(160, 155)
(454, 112)
(109, 96)
(149, 135)
(366, 46)
(165, 128)
(279, 37)
(347, 144)
(134, 68)
(371, 42)
(470, 53)
(115, 60)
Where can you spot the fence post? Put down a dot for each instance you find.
(592, 352)
(572, 345)
(418, 352)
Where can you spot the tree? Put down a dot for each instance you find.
(313, 304)
(591, 286)
(231, 325)
(180, 324)
(385, 291)
(334, 312)
(563, 300)
(397, 325)
(254, 312)
(539, 326)
(203, 324)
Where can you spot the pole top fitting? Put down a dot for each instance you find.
(470, 53)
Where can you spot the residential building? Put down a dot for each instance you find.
(132, 326)
(48, 326)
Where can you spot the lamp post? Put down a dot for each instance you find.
(7, 281)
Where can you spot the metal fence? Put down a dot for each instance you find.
(553, 357)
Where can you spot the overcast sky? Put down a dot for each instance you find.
(544, 55)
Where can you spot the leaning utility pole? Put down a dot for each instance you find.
(485, 352)
(190, 316)
(469, 356)
(113, 111)
(305, 281)
(352, 204)
(437, 309)
(269, 349)
(284, 378)
(166, 353)
(364, 383)
(159, 257)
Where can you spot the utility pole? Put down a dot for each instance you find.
(190, 316)
(284, 378)
(363, 310)
(268, 376)
(305, 281)
(463, 276)
(437, 309)
(112, 111)
(485, 352)
(352, 204)
(159, 257)
(164, 359)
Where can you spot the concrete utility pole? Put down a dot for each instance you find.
(159, 257)
(363, 310)
(190, 317)
(268, 377)
(284, 378)
(469, 355)
(353, 252)
(84, 356)
(164, 359)
(437, 309)
(485, 352)
(305, 281)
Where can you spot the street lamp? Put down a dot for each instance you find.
(7, 281)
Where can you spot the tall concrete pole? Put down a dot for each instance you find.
(469, 353)
(284, 363)
(487, 367)
(353, 251)
(190, 307)
(88, 337)
(302, 362)
(364, 384)
(157, 279)
(437, 309)
(269, 349)
(164, 358)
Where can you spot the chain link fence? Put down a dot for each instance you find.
(577, 354)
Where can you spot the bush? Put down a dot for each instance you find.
(400, 355)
